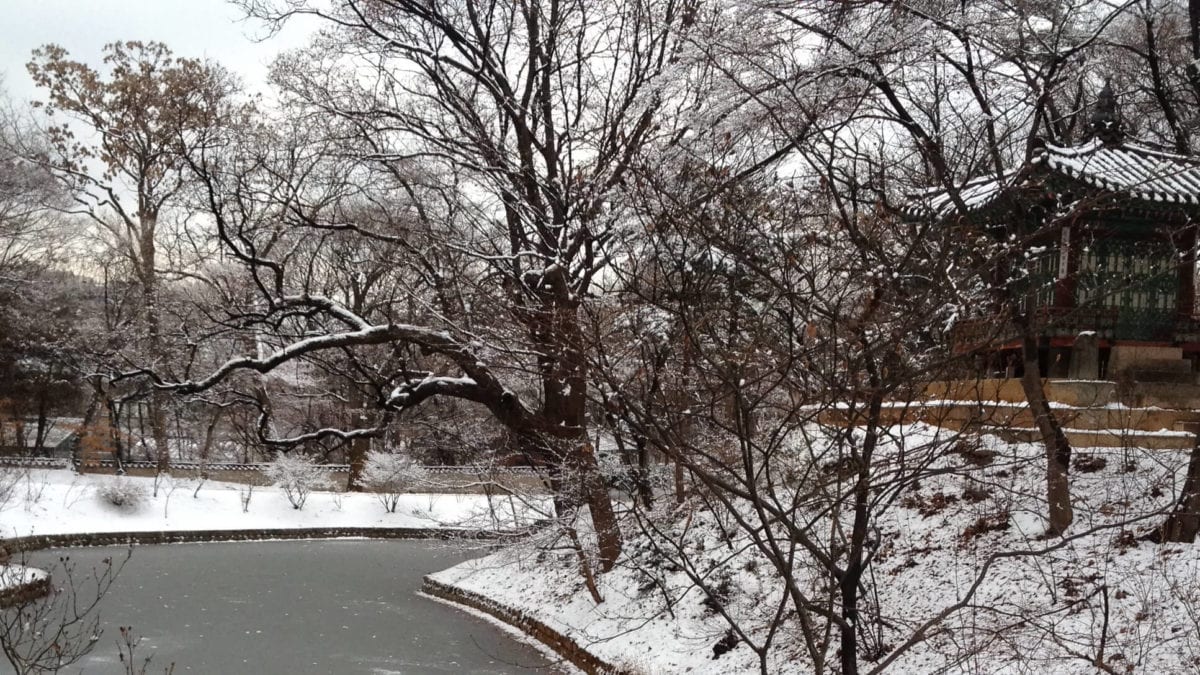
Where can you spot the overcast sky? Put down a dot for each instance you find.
(193, 28)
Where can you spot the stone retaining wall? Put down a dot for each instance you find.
(42, 541)
(561, 644)
(1084, 393)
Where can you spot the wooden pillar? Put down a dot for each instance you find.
(1185, 296)
(1068, 269)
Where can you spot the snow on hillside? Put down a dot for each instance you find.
(1101, 594)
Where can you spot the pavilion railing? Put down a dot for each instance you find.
(990, 333)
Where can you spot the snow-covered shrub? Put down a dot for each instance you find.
(122, 493)
(389, 474)
(296, 476)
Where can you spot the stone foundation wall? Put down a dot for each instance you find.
(561, 644)
(1083, 393)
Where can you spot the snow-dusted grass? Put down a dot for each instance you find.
(62, 502)
(1032, 614)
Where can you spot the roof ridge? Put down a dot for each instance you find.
(1073, 150)
(1139, 170)
(1139, 147)
(970, 182)
(1143, 148)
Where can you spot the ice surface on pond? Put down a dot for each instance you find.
(295, 607)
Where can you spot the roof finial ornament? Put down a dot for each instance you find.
(1105, 123)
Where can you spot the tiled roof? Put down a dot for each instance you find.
(976, 194)
(1134, 169)
(1130, 168)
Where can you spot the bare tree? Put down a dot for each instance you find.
(508, 132)
(27, 226)
(116, 140)
(1000, 78)
(811, 321)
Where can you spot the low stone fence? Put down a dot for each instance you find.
(564, 646)
(43, 541)
(229, 472)
(23, 462)
(482, 480)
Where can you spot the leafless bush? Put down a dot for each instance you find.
(297, 476)
(131, 663)
(388, 475)
(35, 489)
(122, 493)
(10, 478)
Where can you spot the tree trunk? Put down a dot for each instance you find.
(850, 579)
(683, 427)
(89, 427)
(357, 456)
(1058, 447)
(1184, 520)
(209, 435)
(564, 387)
(114, 430)
(356, 452)
(158, 427)
(604, 517)
(154, 349)
(43, 422)
(644, 489)
(680, 485)
(848, 640)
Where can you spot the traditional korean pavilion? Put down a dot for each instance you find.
(1113, 254)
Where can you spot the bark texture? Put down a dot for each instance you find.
(1057, 445)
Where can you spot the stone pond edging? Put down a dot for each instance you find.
(564, 646)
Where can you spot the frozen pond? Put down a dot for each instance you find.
(271, 608)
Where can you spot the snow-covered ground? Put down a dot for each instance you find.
(63, 502)
(17, 575)
(1104, 596)
(42, 501)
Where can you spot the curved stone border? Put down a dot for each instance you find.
(15, 595)
(42, 541)
(561, 644)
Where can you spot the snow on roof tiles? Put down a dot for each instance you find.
(1131, 168)
(1137, 170)
(976, 194)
